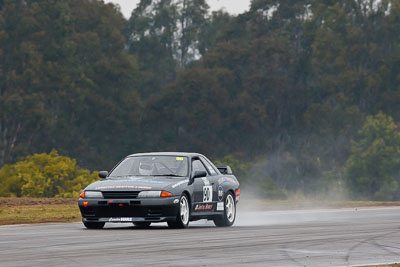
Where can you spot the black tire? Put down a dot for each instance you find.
(94, 225)
(183, 216)
(229, 212)
(142, 224)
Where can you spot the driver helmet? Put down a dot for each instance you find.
(146, 168)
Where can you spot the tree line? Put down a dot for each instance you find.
(300, 95)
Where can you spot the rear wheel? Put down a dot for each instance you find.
(229, 212)
(142, 224)
(94, 225)
(182, 219)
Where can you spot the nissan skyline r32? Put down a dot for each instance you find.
(161, 187)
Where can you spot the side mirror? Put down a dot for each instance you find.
(199, 174)
(103, 174)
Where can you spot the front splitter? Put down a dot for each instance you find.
(128, 219)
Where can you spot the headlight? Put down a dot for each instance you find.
(91, 194)
(149, 194)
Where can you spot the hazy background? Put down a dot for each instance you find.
(301, 98)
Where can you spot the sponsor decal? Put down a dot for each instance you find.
(203, 207)
(122, 219)
(176, 201)
(226, 179)
(220, 206)
(179, 183)
(140, 180)
(151, 181)
(123, 187)
(207, 193)
(220, 193)
(179, 158)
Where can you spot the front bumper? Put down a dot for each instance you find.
(129, 210)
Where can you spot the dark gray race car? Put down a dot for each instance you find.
(161, 187)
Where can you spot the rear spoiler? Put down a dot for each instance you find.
(224, 169)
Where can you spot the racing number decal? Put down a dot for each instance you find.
(207, 193)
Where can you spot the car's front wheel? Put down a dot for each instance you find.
(182, 219)
(94, 225)
(229, 212)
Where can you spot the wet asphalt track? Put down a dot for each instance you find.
(288, 238)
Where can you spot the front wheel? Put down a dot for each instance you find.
(94, 225)
(229, 212)
(182, 219)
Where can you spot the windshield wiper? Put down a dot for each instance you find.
(169, 174)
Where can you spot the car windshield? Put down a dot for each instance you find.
(173, 166)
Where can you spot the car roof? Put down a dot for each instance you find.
(178, 154)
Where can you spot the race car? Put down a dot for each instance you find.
(158, 187)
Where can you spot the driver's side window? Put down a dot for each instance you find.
(197, 165)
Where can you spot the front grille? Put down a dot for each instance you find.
(120, 194)
(116, 211)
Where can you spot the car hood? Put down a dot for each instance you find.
(136, 183)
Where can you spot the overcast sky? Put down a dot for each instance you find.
(231, 6)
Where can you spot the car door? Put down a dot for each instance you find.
(203, 188)
(212, 177)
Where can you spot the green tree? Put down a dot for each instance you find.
(175, 25)
(165, 36)
(199, 116)
(150, 38)
(192, 18)
(373, 168)
(44, 175)
(21, 104)
(212, 31)
(65, 78)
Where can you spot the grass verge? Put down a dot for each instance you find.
(39, 214)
